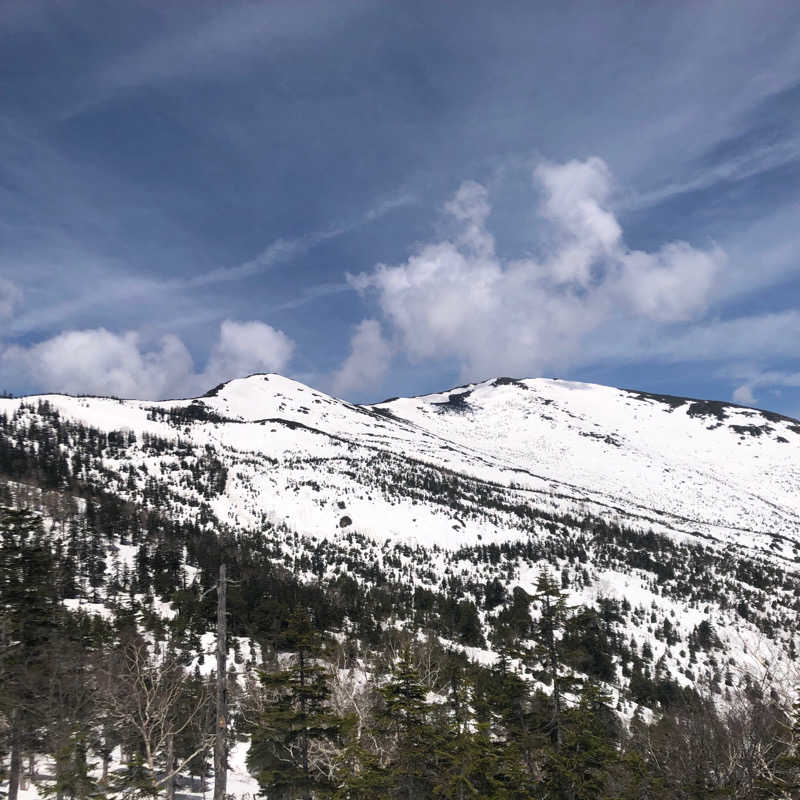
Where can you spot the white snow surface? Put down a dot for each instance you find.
(720, 475)
(690, 468)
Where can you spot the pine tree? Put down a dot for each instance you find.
(360, 775)
(547, 633)
(29, 613)
(503, 703)
(405, 719)
(580, 768)
(73, 778)
(470, 762)
(297, 717)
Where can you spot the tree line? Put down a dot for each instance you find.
(122, 708)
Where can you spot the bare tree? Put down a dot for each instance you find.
(147, 697)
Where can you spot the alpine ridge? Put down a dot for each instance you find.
(692, 468)
(684, 508)
(674, 522)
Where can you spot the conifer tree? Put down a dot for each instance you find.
(296, 718)
(581, 767)
(29, 613)
(405, 718)
(470, 763)
(504, 704)
(547, 633)
(360, 775)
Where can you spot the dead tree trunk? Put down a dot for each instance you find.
(170, 785)
(15, 765)
(220, 739)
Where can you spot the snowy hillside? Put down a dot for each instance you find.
(722, 472)
(695, 466)
(681, 511)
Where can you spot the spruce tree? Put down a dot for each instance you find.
(470, 762)
(580, 769)
(405, 719)
(29, 613)
(296, 717)
(547, 634)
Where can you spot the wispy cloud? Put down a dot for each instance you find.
(283, 251)
(743, 338)
(738, 168)
(220, 40)
(118, 287)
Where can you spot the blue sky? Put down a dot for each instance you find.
(392, 198)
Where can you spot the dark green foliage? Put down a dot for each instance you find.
(405, 720)
(581, 768)
(296, 716)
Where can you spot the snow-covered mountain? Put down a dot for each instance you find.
(722, 472)
(578, 476)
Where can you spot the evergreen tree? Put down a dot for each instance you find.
(73, 778)
(360, 775)
(470, 762)
(405, 720)
(548, 632)
(296, 718)
(29, 614)
(504, 704)
(580, 769)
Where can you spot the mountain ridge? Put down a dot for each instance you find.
(683, 511)
(667, 398)
(587, 442)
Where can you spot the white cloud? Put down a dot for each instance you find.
(670, 285)
(470, 206)
(247, 347)
(457, 299)
(754, 379)
(10, 295)
(576, 193)
(744, 394)
(99, 361)
(369, 358)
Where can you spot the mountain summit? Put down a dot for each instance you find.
(680, 511)
(721, 472)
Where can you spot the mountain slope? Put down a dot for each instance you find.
(695, 466)
(690, 467)
(681, 511)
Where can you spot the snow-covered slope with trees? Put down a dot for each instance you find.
(669, 526)
(577, 477)
(725, 473)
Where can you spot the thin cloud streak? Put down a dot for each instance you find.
(748, 165)
(279, 252)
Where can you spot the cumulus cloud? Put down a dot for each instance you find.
(457, 299)
(10, 295)
(369, 358)
(585, 231)
(99, 361)
(247, 347)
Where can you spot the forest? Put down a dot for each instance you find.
(358, 671)
(341, 692)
